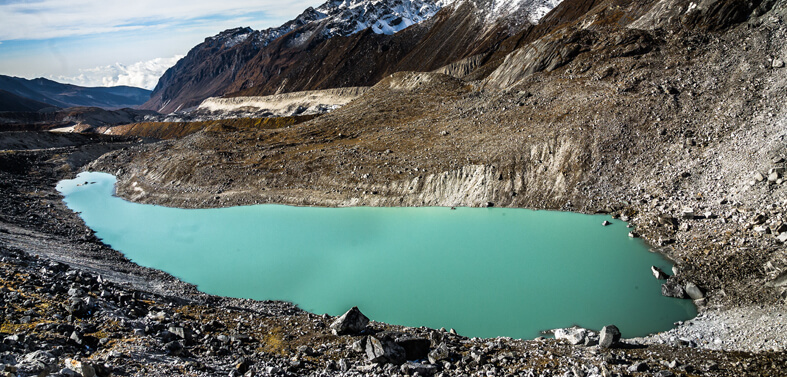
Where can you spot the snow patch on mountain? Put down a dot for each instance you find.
(534, 10)
(347, 17)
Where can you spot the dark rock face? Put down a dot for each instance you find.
(414, 348)
(350, 323)
(608, 336)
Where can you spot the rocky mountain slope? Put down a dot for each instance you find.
(67, 95)
(340, 44)
(678, 126)
(12, 102)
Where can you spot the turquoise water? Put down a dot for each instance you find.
(484, 271)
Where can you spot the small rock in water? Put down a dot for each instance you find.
(609, 336)
(633, 234)
(350, 323)
(605, 223)
(658, 273)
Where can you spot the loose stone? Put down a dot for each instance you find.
(609, 336)
(658, 273)
(350, 323)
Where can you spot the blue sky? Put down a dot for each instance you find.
(110, 42)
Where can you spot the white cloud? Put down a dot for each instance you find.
(25, 20)
(141, 74)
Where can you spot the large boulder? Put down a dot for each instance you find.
(672, 288)
(574, 335)
(350, 323)
(694, 291)
(609, 336)
(383, 350)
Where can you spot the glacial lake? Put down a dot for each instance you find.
(486, 272)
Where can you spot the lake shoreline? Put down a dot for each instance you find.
(36, 222)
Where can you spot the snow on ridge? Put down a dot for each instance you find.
(533, 9)
(347, 17)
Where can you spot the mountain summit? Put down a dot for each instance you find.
(340, 44)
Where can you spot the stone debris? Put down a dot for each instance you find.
(658, 273)
(673, 289)
(608, 336)
(350, 323)
(694, 292)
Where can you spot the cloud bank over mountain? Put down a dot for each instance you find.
(141, 74)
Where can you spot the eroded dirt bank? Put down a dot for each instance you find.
(70, 301)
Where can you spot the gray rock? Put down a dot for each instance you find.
(773, 177)
(37, 362)
(633, 234)
(77, 307)
(609, 336)
(384, 350)
(411, 369)
(359, 345)
(439, 354)
(777, 63)
(782, 237)
(350, 323)
(658, 273)
(605, 223)
(694, 291)
(758, 176)
(181, 333)
(174, 348)
(687, 213)
(82, 368)
(671, 288)
(573, 335)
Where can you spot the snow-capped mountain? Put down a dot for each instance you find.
(304, 53)
(347, 17)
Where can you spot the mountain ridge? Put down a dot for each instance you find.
(68, 95)
(355, 36)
